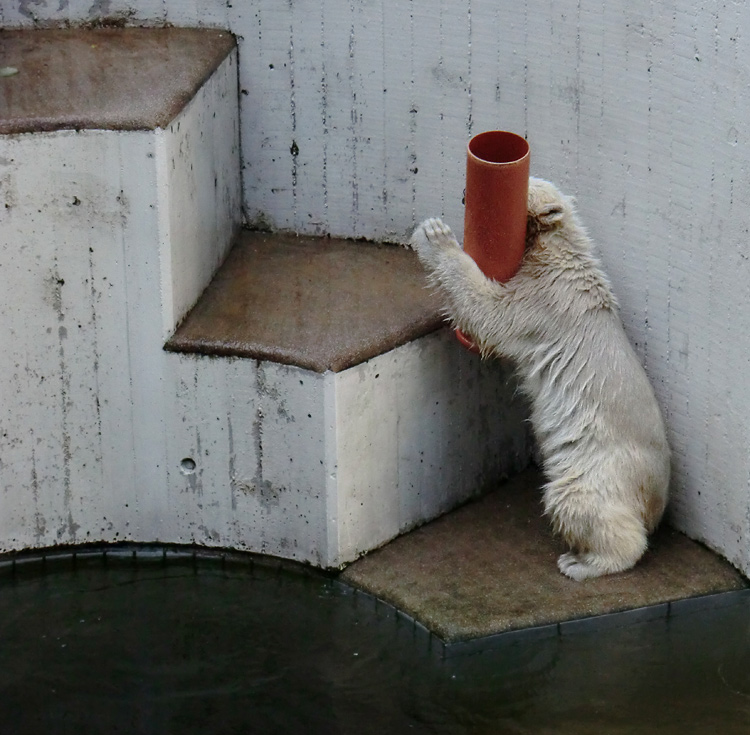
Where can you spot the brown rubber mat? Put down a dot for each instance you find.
(108, 78)
(318, 303)
(489, 567)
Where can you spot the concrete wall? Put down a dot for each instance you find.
(354, 119)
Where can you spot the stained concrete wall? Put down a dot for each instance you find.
(354, 118)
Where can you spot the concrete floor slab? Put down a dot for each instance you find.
(490, 567)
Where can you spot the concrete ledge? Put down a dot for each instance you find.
(596, 624)
(360, 417)
(317, 303)
(113, 79)
(323, 467)
(489, 568)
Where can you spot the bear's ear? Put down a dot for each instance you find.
(549, 216)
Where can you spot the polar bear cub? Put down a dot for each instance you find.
(597, 423)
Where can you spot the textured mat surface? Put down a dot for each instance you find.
(106, 78)
(315, 302)
(490, 567)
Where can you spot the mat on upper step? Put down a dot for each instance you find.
(315, 302)
(103, 78)
(490, 567)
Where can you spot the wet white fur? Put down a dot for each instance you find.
(599, 429)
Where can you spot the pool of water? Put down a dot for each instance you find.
(146, 643)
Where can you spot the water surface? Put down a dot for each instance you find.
(148, 644)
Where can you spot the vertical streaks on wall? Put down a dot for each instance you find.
(367, 79)
(340, 112)
(278, 107)
(671, 226)
(538, 57)
(590, 54)
(267, 131)
(246, 461)
(307, 146)
(324, 116)
(204, 501)
(30, 359)
(498, 67)
(290, 489)
(65, 368)
(110, 334)
(433, 79)
(294, 147)
(450, 107)
(398, 114)
(212, 452)
(143, 297)
(565, 85)
(734, 46)
(69, 527)
(720, 50)
(470, 116)
(626, 152)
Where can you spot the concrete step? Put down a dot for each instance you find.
(489, 569)
(105, 79)
(125, 140)
(318, 303)
(310, 405)
(366, 416)
(119, 199)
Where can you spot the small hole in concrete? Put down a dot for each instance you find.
(187, 466)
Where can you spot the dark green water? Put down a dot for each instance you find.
(203, 646)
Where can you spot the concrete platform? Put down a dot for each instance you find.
(106, 79)
(317, 303)
(120, 197)
(377, 422)
(119, 201)
(351, 415)
(489, 567)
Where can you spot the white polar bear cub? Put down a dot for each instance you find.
(600, 433)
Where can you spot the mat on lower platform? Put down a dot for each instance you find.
(490, 567)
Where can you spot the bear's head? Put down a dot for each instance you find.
(549, 209)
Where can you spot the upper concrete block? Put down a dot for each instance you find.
(318, 303)
(114, 79)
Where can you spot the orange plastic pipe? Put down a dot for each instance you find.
(497, 188)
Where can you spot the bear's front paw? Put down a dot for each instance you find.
(432, 234)
(439, 234)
